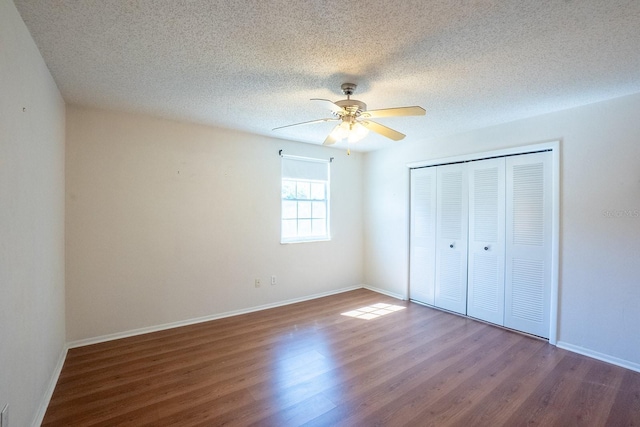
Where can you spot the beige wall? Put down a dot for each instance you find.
(599, 218)
(32, 334)
(170, 221)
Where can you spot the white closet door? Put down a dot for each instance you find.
(423, 235)
(486, 240)
(451, 240)
(528, 243)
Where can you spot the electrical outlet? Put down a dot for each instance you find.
(4, 416)
(257, 283)
(273, 280)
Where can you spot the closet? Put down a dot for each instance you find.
(480, 239)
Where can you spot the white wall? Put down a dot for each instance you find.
(169, 221)
(32, 334)
(599, 218)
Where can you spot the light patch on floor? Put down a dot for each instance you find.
(373, 311)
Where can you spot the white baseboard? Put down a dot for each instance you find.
(141, 331)
(600, 356)
(385, 292)
(44, 404)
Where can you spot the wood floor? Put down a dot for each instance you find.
(307, 364)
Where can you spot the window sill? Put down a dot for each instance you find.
(310, 240)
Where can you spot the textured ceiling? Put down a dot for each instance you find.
(254, 65)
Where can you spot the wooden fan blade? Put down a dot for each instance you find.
(330, 105)
(331, 138)
(331, 119)
(382, 130)
(394, 112)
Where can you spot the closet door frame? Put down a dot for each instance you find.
(554, 148)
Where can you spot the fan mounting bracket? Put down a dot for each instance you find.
(348, 88)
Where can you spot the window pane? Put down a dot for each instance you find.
(304, 213)
(319, 227)
(317, 191)
(319, 210)
(303, 190)
(304, 209)
(304, 227)
(289, 209)
(289, 228)
(288, 189)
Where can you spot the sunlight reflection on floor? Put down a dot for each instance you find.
(373, 311)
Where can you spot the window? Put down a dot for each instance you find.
(305, 200)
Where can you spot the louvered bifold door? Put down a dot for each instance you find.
(422, 257)
(528, 243)
(486, 240)
(451, 238)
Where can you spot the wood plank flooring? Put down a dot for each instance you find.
(307, 364)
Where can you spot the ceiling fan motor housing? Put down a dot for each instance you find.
(353, 107)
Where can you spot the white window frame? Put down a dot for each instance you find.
(313, 174)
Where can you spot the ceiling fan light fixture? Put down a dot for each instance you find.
(340, 132)
(356, 133)
(351, 131)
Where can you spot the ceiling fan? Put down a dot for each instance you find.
(355, 120)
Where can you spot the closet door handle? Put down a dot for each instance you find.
(486, 248)
(451, 246)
